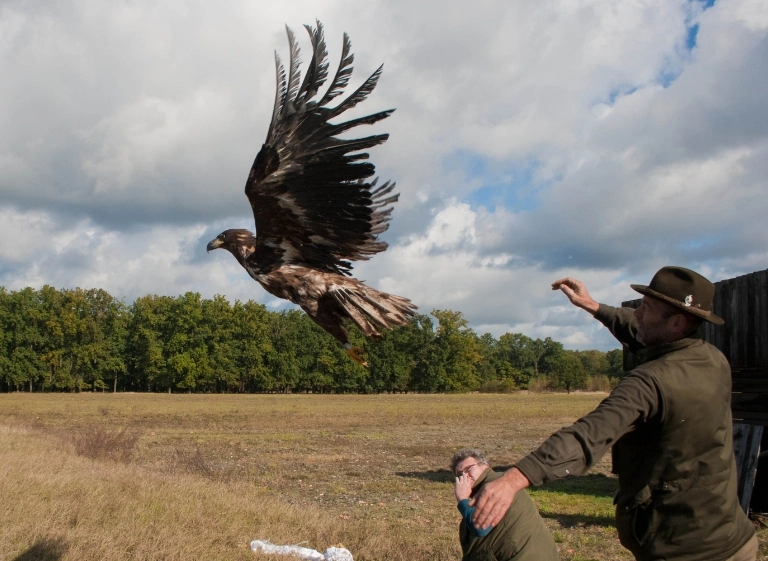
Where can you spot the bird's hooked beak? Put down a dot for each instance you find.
(215, 243)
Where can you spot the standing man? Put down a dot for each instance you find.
(669, 423)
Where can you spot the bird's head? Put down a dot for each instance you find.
(231, 240)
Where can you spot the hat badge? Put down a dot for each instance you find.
(688, 300)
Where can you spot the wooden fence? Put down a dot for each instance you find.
(743, 303)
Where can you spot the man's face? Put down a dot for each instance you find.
(470, 467)
(652, 321)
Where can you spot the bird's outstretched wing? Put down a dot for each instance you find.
(309, 189)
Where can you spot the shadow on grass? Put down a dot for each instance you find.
(594, 485)
(571, 520)
(44, 549)
(438, 475)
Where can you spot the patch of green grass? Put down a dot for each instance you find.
(578, 501)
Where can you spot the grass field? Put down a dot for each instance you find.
(136, 476)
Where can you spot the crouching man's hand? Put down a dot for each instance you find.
(463, 488)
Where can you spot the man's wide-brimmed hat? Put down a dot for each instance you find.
(684, 289)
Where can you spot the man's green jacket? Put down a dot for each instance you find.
(669, 423)
(521, 535)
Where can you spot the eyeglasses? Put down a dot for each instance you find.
(467, 469)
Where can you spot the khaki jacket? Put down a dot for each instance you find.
(669, 423)
(521, 535)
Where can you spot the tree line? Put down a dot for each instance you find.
(87, 340)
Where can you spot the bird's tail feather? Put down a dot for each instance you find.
(372, 310)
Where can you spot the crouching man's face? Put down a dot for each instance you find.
(471, 468)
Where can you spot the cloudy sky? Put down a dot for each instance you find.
(532, 140)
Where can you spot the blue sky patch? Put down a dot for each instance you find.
(512, 186)
(668, 75)
(690, 41)
(699, 243)
(620, 91)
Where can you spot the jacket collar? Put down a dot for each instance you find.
(657, 351)
(480, 480)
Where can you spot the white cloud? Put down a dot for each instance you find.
(156, 260)
(134, 126)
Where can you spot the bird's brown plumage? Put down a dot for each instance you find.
(314, 207)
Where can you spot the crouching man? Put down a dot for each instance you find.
(520, 535)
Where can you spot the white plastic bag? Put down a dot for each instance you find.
(331, 554)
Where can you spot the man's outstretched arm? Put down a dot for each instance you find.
(572, 450)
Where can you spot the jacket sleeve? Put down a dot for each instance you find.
(466, 513)
(572, 450)
(622, 324)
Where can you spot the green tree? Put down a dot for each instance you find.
(349, 376)
(489, 367)
(95, 339)
(517, 358)
(54, 334)
(216, 333)
(615, 358)
(544, 353)
(186, 351)
(594, 362)
(251, 347)
(566, 371)
(283, 359)
(146, 344)
(427, 368)
(393, 358)
(458, 350)
(113, 358)
(21, 339)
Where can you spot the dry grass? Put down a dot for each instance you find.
(98, 443)
(95, 476)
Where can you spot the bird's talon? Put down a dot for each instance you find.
(356, 354)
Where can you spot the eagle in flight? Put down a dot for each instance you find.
(314, 205)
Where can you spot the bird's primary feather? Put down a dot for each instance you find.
(315, 206)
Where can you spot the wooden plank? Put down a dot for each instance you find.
(750, 385)
(761, 326)
(737, 331)
(755, 304)
(751, 371)
(746, 448)
(751, 417)
(749, 402)
(724, 337)
(752, 380)
(714, 334)
(746, 315)
(754, 320)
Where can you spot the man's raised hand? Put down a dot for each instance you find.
(577, 294)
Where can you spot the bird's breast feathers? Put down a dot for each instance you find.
(296, 282)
